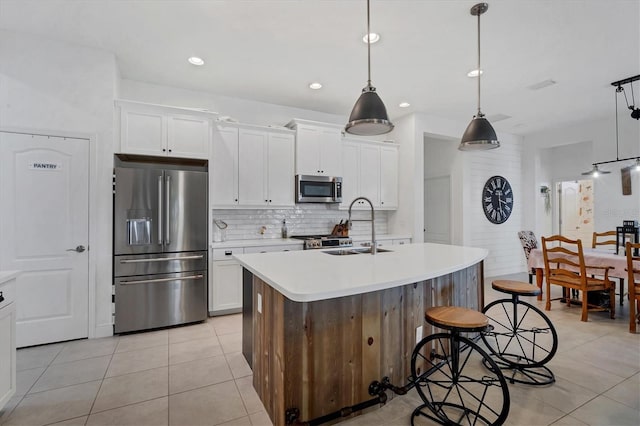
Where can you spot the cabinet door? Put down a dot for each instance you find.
(252, 176)
(370, 173)
(226, 287)
(280, 178)
(307, 150)
(389, 177)
(350, 173)
(143, 132)
(7, 353)
(188, 136)
(329, 146)
(223, 167)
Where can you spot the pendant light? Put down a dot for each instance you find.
(479, 134)
(619, 89)
(369, 115)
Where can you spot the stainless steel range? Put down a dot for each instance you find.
(323, 241)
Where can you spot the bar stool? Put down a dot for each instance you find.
(448, 373)
(520, 336)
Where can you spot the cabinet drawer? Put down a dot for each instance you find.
(8, 289)
(227, 253)
(267, 249)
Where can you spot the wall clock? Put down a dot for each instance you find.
(497, 199)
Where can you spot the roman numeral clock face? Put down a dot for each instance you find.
(497, 199)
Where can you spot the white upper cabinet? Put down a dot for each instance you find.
(252, 185)
(370, 169)
(280, 176)
(251, 166)
(223, 166)
(157, 130)
(318, 147)
(389, 177)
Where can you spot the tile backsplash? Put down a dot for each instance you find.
(303, 219)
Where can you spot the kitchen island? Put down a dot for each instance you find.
(319, 328)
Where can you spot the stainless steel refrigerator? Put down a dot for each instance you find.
(159, 246)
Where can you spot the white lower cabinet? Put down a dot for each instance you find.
(225, 282)
(225, 277)
(7, 341)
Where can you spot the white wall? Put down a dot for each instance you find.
(469, 171)
(571, 155)
(50, 86)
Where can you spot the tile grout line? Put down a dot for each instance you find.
(101, 383)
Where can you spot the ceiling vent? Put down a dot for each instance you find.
(498, 117)
(542, 84)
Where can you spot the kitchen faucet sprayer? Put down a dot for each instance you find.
(374, 245)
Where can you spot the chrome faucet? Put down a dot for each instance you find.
(374, 245)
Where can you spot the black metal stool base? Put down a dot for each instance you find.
(465, 413)
(515, 372)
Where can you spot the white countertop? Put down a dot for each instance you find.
(261, 242)
(7, 275)
(310, 275)
(380, 237)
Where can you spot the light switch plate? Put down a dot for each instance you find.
(259, 303)
(418, 334)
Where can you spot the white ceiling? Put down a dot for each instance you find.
(271, 50)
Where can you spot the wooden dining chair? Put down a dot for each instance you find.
(609, 238)
(564, 266)
(633, 268)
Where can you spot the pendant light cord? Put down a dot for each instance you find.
(479, 72)
(619, 89)
(368, 47)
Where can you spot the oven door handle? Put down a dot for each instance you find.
(162, 259)
(163, 280)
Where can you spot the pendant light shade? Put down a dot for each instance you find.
(369, 115)
(479, 134)
(595, 172)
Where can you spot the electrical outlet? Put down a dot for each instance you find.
(418, 334)
(259, 303)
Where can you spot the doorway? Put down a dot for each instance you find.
(44, 233)
(575, 210)
(437, 210)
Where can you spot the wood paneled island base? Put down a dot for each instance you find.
(321, 356)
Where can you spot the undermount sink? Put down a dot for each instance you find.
(349, 251)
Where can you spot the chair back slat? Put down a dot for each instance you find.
(599, 239)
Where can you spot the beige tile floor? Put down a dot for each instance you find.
(196, 375)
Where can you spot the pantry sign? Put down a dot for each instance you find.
(45, 166)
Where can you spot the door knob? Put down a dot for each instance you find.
(79, 249)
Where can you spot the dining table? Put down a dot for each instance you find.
(592, 257)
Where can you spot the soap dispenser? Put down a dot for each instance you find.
(284, 229)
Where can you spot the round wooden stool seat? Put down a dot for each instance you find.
(515, 287)
(456, 318)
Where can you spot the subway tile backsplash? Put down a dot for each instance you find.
(303, 219)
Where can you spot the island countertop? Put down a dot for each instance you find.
(312, 275)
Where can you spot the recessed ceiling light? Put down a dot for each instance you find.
(474, 73)
(196, 61)
(374, 37)
(404, 105)
(315, 86)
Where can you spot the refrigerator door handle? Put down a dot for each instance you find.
(163, 280)
(162, 259)
(160, 240)
(167, 211)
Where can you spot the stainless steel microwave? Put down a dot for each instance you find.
(318, 189)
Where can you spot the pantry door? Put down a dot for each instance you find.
(44, 232)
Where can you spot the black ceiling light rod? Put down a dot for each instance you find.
(626, 80)
(635, 112)
(615, 161)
